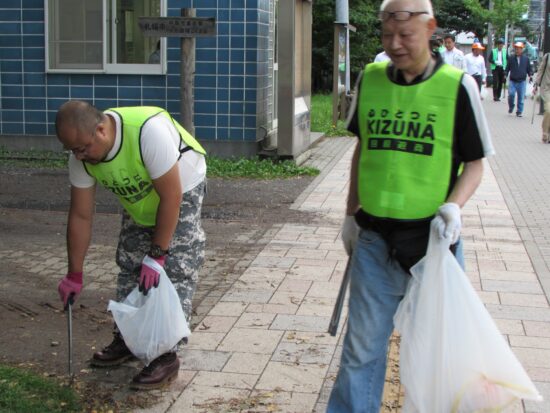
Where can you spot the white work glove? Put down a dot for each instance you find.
(448, 221)
(350, 232)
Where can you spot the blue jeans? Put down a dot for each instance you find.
(514, 87)
(377, 285)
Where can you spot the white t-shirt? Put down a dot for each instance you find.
(499, 59)
(475, 65)
(160, 149)
(454, 57)
(381, 57)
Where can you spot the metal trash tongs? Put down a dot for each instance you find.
(337, 312)
(69, 309)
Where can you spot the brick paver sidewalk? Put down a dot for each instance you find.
(264, 346)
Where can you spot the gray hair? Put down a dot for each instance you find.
(421, 5)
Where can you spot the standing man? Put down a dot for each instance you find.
(543, 82)
(498, 60)
(418, 120)
(518, 68)
(452, 55)
(475, 65)
(157, 170)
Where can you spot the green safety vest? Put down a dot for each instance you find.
(125, 175)
(495, 51)
(406, 132)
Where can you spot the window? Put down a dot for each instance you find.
(75, 34)
(103, 36)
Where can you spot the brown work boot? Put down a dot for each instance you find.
(114, 354)
(162, 370)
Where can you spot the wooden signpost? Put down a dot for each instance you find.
(187, 27)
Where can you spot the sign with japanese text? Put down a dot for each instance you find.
(177, 26)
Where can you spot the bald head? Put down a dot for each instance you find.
(78, 115)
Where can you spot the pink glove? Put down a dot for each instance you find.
(150, 272)
(70, 287)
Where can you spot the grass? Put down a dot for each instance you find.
(25, 392)
(256, 168)
(33, 159)
(321, 117)
(216, 167)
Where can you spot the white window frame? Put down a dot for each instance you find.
(110, 68)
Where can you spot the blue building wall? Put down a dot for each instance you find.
(232, 79)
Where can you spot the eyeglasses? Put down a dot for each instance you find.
(401, 16)
(84, 148)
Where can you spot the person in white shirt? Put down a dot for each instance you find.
(475, 64)
(381, 57)
(451, 54)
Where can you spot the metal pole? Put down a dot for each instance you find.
(337, 311)
(489, 50)
(70, 334)
(335, 74)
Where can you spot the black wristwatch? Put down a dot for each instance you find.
(157, 252)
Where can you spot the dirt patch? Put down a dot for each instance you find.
(237, 214)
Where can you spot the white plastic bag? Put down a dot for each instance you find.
(483, 92)
(452, 356)
(529, 89)
(153, 324)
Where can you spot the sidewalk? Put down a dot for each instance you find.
(264, 346)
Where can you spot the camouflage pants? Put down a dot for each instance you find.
(186, 250)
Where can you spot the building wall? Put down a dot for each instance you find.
(233, 80)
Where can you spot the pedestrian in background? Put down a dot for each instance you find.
(157, 170)
(542, 86)
(498, 60)
(475, 65)
(452, 55)
(400, 181)
(518, 68)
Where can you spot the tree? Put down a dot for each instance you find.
(453, 15)
(504, 12)
(322, 44)
(364, 43)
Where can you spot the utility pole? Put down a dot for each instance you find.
(489, 51)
